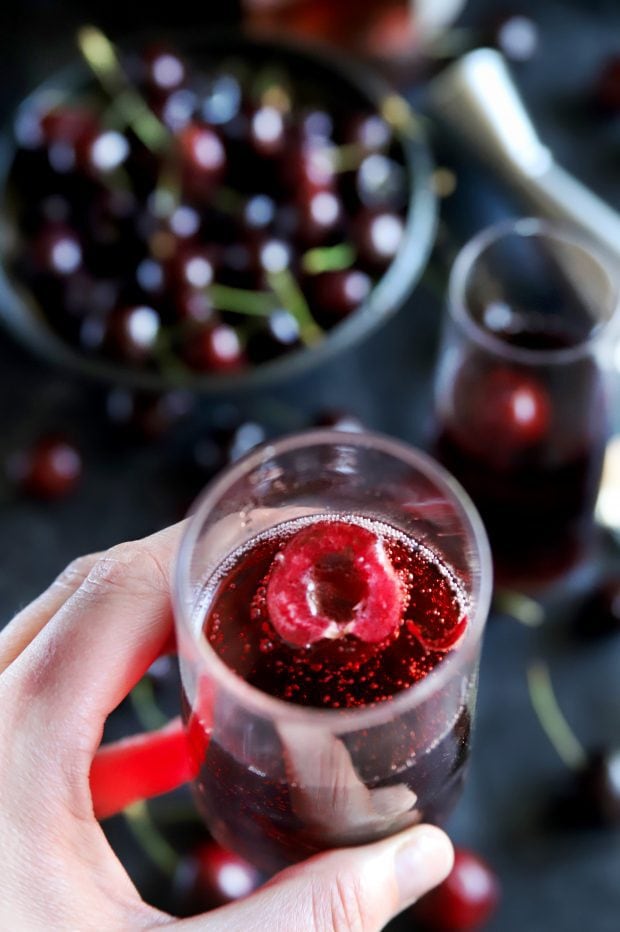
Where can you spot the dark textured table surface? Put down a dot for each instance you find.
(552, 880)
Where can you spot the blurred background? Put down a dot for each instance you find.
(138, 460)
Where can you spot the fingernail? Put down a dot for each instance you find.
(422, 861)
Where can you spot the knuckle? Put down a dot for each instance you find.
(76, 572)
(128, 565)
(346, 902)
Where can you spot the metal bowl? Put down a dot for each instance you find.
(351, 81)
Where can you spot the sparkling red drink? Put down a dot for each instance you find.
(329, 658)
(521, 405)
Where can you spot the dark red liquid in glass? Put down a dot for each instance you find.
(259, 814)
(527, 443)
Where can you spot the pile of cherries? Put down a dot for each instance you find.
(207, 220)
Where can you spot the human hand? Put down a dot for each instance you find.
(66, 661)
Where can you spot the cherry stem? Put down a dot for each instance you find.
(398, 114)
(346, 158)
(150, 839)
(142, 699)
(521, 607)
(101, 57)
(551, 717)
(241, 300)
(292, 298)
(328, 259)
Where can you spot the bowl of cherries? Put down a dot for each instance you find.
(218, 214)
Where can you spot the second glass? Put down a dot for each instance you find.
(280, 780)
(521, 394)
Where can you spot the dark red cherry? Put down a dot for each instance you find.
(103, 152)
(221, 876)
(339, 420)
(259, 212)
(607, 87)
(68, 124)
(50, 469)
(203, 157)
(465, 900)
(310, 169)
(370, 131)
(598, 788)
(267, 131)
(164, 70)
(316, 125)
(215, 348)
(134, 331)
(193, 305)
(340, 293)
(278, 336)
(220, 99)
(599, 615)
(58, 251)
(381, 182)
(378, 235)
(319, 215)
(193, 267)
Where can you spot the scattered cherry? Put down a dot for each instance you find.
(339, 420)
(465, 900)
(607, 88)
(51, 469)
(150, 416)
(333, 579)
(599, 615)
(220, 876)
(598, 787)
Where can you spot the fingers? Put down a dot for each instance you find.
(89, 655)
(25, 626)
(357, 889)
(328, 795)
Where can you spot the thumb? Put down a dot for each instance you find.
(347, 890)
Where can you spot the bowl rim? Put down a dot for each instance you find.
(387, 296)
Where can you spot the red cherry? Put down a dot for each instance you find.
(68, 125)
(216, 349)
(607, 88)
(222, 876)
(164, 70)
(333, 579)
(134, 331)
(370, 131)
(193, 267)
(378, 235)
(58, 250)
(466, 898)
(268, 131)
(51, 469)
(203, 157)
(340, 293)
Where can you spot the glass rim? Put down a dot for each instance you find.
(525, 227)
(338, 720)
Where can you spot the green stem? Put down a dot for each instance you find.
(241, 300)
(520, 607)
(292, 299)
(328, 259)
(142, 698)
(100, 55)
(144, 830)
(551, 718)
(346, 158)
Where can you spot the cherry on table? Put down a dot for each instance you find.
(599, 615)
(598, 787)
(607, 87)
(465, 900)
(221, 876)
(50, 469)
(149, 416)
